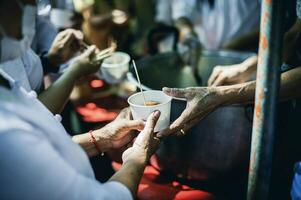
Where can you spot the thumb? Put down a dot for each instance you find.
(126, 153)
(68, 38)
(90, 52)
(78, 35)
(144, 137)
(175, 92)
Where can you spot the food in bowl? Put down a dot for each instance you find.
(151, 103)
(159, 101)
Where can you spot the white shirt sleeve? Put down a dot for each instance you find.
(31, 168)
(163, 11)
(182, 8)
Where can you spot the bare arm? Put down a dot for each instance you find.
(56, 96)
(240, 73)
(244, 93)
(201, 101)
(130, 175)
(244, 42)
(84, 140)
(292, 43)
(114, 135)
(234, 74)
(136, 157)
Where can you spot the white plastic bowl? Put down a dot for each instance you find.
(140, 111)
(115, 67)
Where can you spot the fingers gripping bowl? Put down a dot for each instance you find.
(155, 100)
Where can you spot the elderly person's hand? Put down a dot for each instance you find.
(66, 44)
(233, 74)
(145, 144)
(116, 135)
(200, 102)
(121, 131)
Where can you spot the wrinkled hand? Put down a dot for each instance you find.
(84, 64)
(66, 44)
(119, 133)
(145, 144)
(229, 75)
(200, 102)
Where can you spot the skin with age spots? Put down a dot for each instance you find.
(201, 101)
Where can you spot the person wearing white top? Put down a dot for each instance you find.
(40, 161)
(216, 22)
(16, 34)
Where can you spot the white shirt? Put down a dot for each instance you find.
(45, 35)
(217, 25)
(34, 69)
(27, 70)
(16, 70)
(39, 159)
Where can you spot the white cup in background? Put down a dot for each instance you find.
(114, 68)
(140, 111)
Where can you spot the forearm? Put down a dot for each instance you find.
(245, 93)
(291, 43)
(250, 65)
(86, 142)
(56, 96)
(244, 42)
(130, 175)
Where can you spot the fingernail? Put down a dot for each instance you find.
(173, 126)
(156, 113)
(166, 89)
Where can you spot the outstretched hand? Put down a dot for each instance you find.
(121, 131)
(200, 102)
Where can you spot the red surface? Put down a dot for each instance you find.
(154, 187)
(93, 113)
(97, 83)
(103, 108)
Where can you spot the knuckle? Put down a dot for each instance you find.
(173, 90)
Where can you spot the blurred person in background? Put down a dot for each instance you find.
(232, 24)
(18, 59)
(125, 21)
(233, 85)
(102, 20)
(246, 71)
